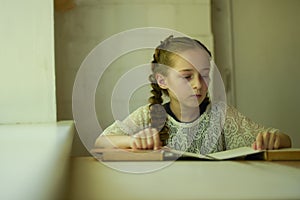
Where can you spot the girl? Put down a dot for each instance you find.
(191, 120)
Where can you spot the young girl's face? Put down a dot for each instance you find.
(188, 78)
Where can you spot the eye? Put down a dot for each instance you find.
(188, 77)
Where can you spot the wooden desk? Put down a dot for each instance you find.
(186, 180)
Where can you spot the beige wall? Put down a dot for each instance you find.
(266, 62)
(27, 81)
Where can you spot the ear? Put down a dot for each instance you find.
(161, 81)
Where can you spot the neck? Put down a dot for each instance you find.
(184, 113)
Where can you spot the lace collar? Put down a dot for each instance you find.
(202, 107)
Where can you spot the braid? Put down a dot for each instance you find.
(157, 94)
(158, 115)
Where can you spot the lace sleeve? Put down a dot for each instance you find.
(240, 131)
(135, 122)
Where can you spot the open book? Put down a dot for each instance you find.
(171, 154)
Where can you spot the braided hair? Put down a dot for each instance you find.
(163, 56)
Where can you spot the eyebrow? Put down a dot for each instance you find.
(189, 70)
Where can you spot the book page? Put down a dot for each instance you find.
(175, 154)
(233, 153)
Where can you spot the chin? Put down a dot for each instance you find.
(193, 104)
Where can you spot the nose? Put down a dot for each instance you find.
(196, 84)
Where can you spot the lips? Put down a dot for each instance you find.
(197, 95)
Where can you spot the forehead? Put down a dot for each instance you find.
(197, 59)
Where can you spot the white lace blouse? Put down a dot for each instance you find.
(218, 128)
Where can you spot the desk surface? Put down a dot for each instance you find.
(187, 180)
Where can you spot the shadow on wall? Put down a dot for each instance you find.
(64, 5)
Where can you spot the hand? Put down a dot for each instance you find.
(146, 139)
(266, 141)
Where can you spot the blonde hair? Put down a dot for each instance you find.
(165, 55)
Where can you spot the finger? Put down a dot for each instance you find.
(137, 142)
(156, 140)
(271, 140)
(254, 146)
(277, 142)
(143, 140)
(149, 139)
(133, 145)
(259, 141)
(266, 139)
